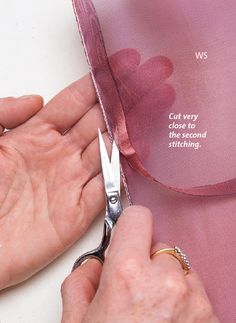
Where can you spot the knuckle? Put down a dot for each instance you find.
(127, 270)
(76, 94)
(175, 285)
(7, 100)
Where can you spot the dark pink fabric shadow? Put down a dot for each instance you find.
(190, 192)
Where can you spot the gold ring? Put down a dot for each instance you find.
(178, 254)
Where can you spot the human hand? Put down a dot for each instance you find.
(132, 287)
(51, 185)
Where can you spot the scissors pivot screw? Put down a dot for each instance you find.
(113, 199)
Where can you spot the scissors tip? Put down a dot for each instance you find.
(99, 132)
(101, 141)
(114, 146)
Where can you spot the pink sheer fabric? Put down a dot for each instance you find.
(143, 60)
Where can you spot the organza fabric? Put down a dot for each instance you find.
(143, 61)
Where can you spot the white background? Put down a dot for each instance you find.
(40, 52)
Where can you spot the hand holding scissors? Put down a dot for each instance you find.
(133, 285)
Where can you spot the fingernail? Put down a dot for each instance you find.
(84, 262)
(25, 97)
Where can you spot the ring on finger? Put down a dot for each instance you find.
(178, 254)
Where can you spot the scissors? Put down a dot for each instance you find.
(111, 177)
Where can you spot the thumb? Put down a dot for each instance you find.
(15, 111)
(79, 289)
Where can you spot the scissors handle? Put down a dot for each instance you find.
(99, 252)
(113, 211)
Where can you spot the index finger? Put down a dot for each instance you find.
(68, 106)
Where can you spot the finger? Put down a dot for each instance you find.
(78, 290)
(86, 129)
(158, 100)
(123, 63)
(151, 73)
(15, 111)
(91, 159)
(165, 263)
(67, 108)
(154, 71)
(133, 234)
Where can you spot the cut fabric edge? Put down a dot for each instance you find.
(99, 98)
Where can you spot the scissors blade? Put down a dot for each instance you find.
(115, 164)
(108, 176)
